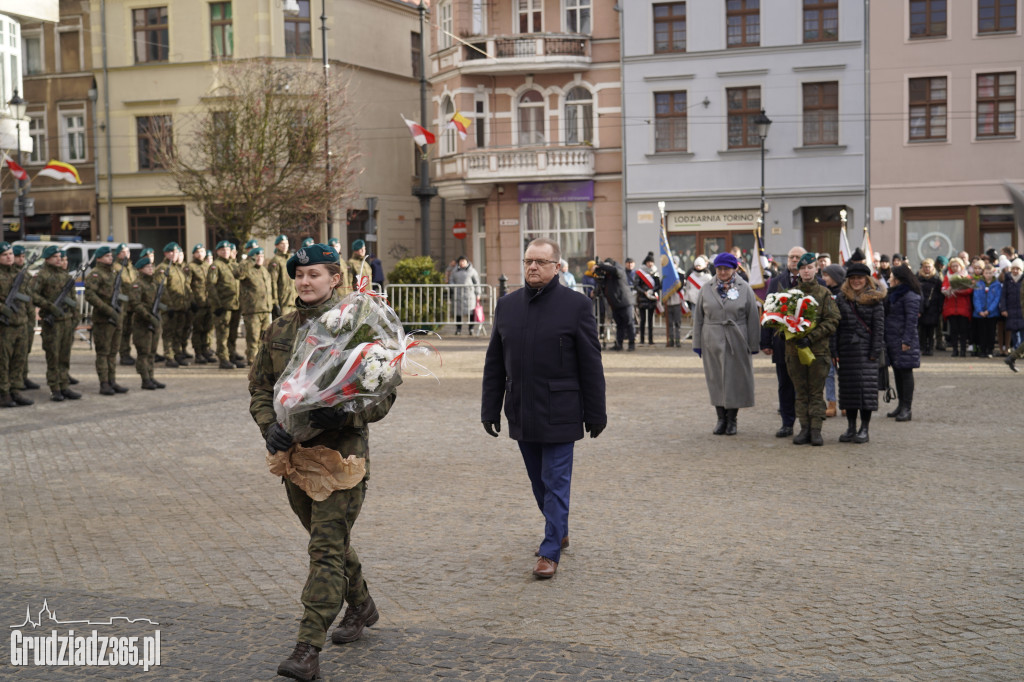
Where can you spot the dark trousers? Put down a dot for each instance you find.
(647, 320)
(986, 338)
(959, 329)
(904, 379)
(787, 394)
(926, 332)
(549, 466)
(624, 328)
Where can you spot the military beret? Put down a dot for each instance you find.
(197, 247)
(333, 241)
(308, 241)
(255, 252)
(142, 262)
(224, 244)
(280, 238)
(121, 247)
(101, 252)
(807, 259)
(358, 244)
(171, 246)
(146, 251)
(51, 250)
(18, 250)
(4, 246)
(311, 255)
(252, 243)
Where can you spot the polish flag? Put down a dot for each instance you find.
(420, 135)
(16, 170)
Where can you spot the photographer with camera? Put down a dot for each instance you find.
(615, 287)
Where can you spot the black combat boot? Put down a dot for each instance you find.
(804, 437)
(720, 424)
(56, 396)
(105, 388)
(905, 414)
(241, 364)
(303, 664)
(201, 359)
(816, 438)
(354, 620)
(158, 384)
(127, 360)
(6, 401)
(72, 381)
(851, 427)
(118, 388)
(632, 345)
(862, 435)
(148, 385)
(899, 408)
(30, 385)
(1011, 363)
(69, 394)
(224, 364)
(19, 399)
(730, 421)
(182, 360)
(170, 363)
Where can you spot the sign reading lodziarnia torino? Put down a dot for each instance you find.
(691, 221)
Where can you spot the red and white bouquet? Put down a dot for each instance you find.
(793, 313)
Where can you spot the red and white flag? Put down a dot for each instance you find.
(869, 253)
(421, 135)
(16, 170)
(844, 246)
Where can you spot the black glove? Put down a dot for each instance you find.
(492, 428)
(594, 429)
(803, 342)
(194, 307)
(327, 418)
(277, 438)
(154, 320)
(276, 310)
(218, 312)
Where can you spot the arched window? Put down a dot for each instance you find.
(531, 118)
(579, 116)
(447, 134)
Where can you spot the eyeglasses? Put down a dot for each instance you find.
(527, 262)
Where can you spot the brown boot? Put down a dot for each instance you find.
(830, 411)
(355, 619)
(545, 568)
(303, 664)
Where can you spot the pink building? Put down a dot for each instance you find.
(539, 82)
(945, 112)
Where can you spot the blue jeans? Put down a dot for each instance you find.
(549, 466)
(830, 384)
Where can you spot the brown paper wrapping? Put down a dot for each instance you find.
(318, 470)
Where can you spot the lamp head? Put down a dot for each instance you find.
(763, 123)
(18, 106)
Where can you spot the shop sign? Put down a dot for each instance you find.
(694, 221)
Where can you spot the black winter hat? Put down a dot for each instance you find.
(857, 256)
(649, 258)
(853, 269)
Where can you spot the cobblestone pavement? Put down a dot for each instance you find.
(692, 556)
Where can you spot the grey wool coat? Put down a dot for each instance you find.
(728, 332)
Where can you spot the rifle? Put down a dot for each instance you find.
(158, 307)
(117, 297)
(69, 286)
(13, 296)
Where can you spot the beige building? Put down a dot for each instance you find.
(946, 120)
(539, 82)
(159, 60)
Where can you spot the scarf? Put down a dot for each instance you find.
(724, 287)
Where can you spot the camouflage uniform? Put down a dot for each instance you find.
(202, 318)
(12, 337)
(358, 268)
(146, 325)
(283, 286)
(809, 380)
(106, 322)
(254, 301)
(58, 325)
(335, 574)
(234, 321)
(128, 277)
(177, 297)
(222, 295)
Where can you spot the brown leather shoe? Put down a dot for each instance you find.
(303, 664)
(565, 544)
(545, 568)
(354, 620)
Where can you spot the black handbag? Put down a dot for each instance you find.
(884, 385)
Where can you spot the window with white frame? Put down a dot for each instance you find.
(579, 116)
(577, 16)
(531, 118)
(448, 133)
(530, 16)
(32, 53)
(37, 131)
(445, 25)
(72, 136)
(479, 17)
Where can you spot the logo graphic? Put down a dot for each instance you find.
(57, 649)
(301, 255)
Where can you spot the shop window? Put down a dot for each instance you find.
(670, 27)
(152, 42)
(821, 21)
(569, 223)
(997, 104)
(932, 233)
(927, 18)
(997, 16)
(928, 108)
(670, 121)
(743, 23)
(821, 113)
(744, 106)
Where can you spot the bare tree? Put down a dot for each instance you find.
(253, 158)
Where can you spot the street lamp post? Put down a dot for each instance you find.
(17, 107)
(425, 192)
(763, 124)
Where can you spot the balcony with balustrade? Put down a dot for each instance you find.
(471, 175)
(514, 54)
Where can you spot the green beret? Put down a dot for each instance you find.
(308, 241)
(101, 252)
(333, 241)
(252, 243)
(146, 251)
(807, 259)
(121, 247)
(51, 250)
(172, 246)
(224, 244)
(311, 255)
(142, 262)
(280, 238)
(197, 247)
(255, 252)
(4, 246)
(358, 244)
(18, 250)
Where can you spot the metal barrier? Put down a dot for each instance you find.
(430, 306)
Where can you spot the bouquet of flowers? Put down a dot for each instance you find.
(794, 314)
(960, 282)
(352, 357)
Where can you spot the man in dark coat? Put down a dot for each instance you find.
(544, 364)
(619, 294)
(774, 344)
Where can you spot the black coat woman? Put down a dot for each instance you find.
(857, 348)
(902, 348)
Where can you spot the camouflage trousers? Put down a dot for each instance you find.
(12, 357)
(225, 341)
(127, 325)
(57, 340)
(30, 337)
(146, 341)
(175, 327)
(809, 384)
(255, 325)
(335, 574)
(106, 338)
(202, 330)
(234, 320)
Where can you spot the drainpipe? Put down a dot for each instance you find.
(106, 116)
(867, 117)
(622, 144)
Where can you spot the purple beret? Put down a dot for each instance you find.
(726, 260)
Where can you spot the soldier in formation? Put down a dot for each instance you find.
(128, 277)
(103, 290)
(357, 263)
(30, 325)
(222, 295)
(53, 291)
(235, 315)
(177, 297)
(147, 309)
(13, 319)
(202, 316)
(254, 300)
(282, 284)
